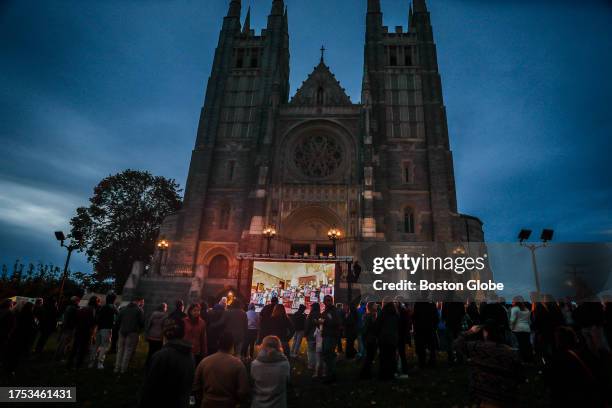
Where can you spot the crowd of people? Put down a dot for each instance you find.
(230, 354)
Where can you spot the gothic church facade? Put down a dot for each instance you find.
(379, 170)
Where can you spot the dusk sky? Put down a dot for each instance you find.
(90, 88)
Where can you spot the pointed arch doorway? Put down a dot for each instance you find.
(305, 230)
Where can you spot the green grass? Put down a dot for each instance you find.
(442, 386)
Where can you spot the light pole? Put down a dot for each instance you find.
(162, 246)
(59, 235)
(546, 236)
(334, 234)
(269, 232)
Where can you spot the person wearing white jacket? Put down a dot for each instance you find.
(520, 324)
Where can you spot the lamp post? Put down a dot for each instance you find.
(59, 235)
(269, 232)
(162, 246)
(334, 235)
(546, 236)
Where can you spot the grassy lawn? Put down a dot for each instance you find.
(442, 386)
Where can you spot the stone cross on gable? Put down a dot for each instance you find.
(322, 52)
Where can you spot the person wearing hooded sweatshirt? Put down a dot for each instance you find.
(270, 373)
(170, 373)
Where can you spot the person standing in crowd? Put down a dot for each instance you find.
(452, 314)
(425, 322)
(350, 331)
(20, 342)
(270, 373)
(236, 322)
(495, 369)
(471, 317)
(248, 348)
(105, 321)
(370, 337)
(299, 323)
(7, 325)
(179, 310)
(221, 380)
(214, 327)
(403, 337)
(130, 321)
(520, 320)
(546, 318)
(361, 312)
(66, 336)
(330, 333)
(47, 323)
(195, 332)
(280, 326)
(265, 315)
(311, 329)
(154, 331)
(84, 331)
(572, 375)
(170, 373)
(387, 326)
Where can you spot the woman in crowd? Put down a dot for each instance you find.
(299, 323)
(281, 327)
(153, 330)
(195, 332)
(311, 331)
(520, 318)
(270, 373)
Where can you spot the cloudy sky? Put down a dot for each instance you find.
(89, 88)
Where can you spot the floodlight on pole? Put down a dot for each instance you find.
(546, 236)
(59, 235)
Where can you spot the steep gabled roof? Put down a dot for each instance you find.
(321, 88)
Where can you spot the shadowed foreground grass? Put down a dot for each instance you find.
(441, 386)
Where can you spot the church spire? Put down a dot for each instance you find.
(419, 6)
(246, 29)
(234, 9)
(373, 6)
(278, 8)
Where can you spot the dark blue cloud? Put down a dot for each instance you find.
(91, 88)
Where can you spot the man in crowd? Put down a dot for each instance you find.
(47, 323)
(425, 321)
(83, 333)
(67, 331)
(331, 333)
(105, 320)
(130, 322)
(170, 374)
(495, 368)
(221, 379)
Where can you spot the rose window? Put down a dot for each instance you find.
(318, 156)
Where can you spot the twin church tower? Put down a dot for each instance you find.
(379, 170)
